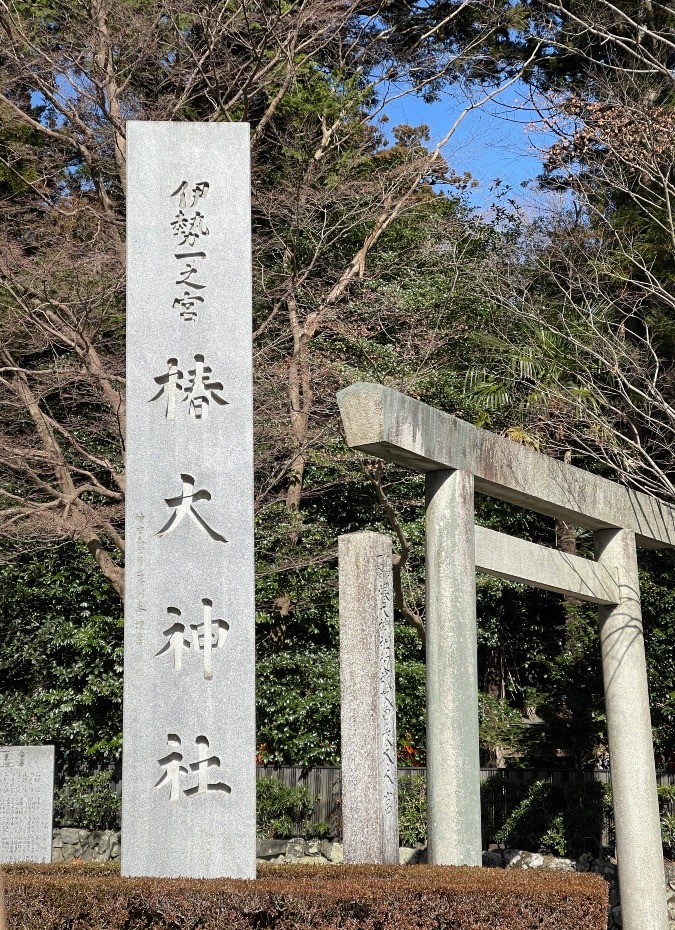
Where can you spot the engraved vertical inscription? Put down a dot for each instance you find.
(387, 705)
(139, 611)
(26, 793)
(189, 229)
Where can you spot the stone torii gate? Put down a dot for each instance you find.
(458, 458)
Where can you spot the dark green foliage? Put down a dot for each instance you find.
(299, 707)
(411, 704)
(281, 809)
(300, 898)
(566, 820)
(89, 802)
(563, 819)
(499, 797)
(412, 809)
(657, 593)
(667, 812)
(61, 658)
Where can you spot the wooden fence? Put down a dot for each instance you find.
(325, 784)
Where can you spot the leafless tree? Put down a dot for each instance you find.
(326, 190)
(590, 287)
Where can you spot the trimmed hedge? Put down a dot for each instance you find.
(307, 898)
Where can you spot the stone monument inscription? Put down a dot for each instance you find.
(387, 672)
(26, 803)
(189, 700)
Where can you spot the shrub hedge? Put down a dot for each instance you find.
(280, 807)
(304, 897)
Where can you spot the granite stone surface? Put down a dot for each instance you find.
(387, 424)
(629, 730)
(453, 760)
(368, 699)
(26, 803)
(189, 697)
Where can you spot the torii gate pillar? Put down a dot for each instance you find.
(624, 670)
(453, 760)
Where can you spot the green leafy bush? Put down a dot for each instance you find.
(566, 820)
(412, 809)
(61, 657)
(87, 801)
(281, 809)
(308, 898)
(298, 715)
(499, 797)
(667, 812)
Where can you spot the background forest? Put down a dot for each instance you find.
(554, 326)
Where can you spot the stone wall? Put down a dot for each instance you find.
(69, 843)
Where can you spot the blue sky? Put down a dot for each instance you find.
(490, 143)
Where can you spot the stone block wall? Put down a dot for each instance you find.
(69, 843)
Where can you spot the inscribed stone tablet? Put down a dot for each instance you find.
(26, 802)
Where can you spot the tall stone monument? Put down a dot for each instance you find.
(368, 700)
(189, 702)
(26, 803)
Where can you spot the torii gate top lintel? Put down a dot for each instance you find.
(400, 429)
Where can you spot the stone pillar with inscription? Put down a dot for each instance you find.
(188, 790)
(368, 700)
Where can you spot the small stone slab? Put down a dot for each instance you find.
(26, 803)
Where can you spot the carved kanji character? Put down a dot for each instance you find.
(201, 766)
(183, 506)
(170, 385)
(177, 640)
(200, 389)
(173, 770)
(189, 228)
(188, 306)
(200, 190)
